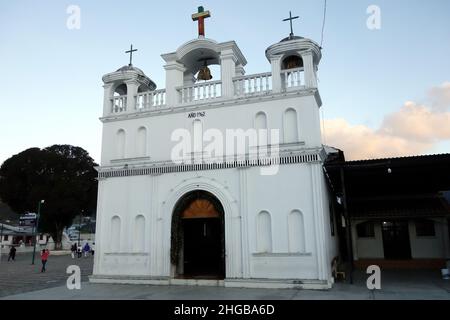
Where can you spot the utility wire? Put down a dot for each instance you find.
(324, 138)
(324, 19)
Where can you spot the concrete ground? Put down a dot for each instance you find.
(21, 276)
(20, 280)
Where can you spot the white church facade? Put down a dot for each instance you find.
(253, 218)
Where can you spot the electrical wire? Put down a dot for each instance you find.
(323, 23)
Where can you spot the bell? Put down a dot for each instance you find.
(293, 62)
(204, 74)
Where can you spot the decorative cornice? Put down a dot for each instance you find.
(130, 75)
(299, 45)
(170, 167)
(208, 44)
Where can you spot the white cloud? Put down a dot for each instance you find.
(412, 130)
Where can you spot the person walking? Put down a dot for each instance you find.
(79, 251)
(73, 250)
(12, 254)
(86, 249)
(44, 257)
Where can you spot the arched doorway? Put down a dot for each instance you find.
(198, 236)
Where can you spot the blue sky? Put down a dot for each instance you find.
(51, 88)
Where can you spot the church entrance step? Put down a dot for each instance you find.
(197, 282)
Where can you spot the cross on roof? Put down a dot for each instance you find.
(200, 16)
(131, 54)
(290, 21)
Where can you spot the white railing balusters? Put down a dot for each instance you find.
(118, 104)
(293, 78)
(253, 84)
(146, 101)
(200, 92)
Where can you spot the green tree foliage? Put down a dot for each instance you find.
(62, 175)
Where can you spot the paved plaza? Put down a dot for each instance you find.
(21, 280)
(21, 276)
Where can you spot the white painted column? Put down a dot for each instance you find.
(232, 243)
(276, 74)
(310, 74)
(99, 229)
(132, 90)
(228, 72)
(127, 217)
(107, 104)
(174, 79)
(243, 208)
(319, 227)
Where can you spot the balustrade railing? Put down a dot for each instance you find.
(119, 104)
(250, 85)
(292, 78)
(253, 84)
(200, 92)
(150, 100)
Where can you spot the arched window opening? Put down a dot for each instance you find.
(121, 90)
(292, 73)
(292, 62)
(119, 101)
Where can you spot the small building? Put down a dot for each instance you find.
(393, 212)
(20, 236)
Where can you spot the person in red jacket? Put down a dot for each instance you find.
(44, 257)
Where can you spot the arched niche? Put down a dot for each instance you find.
(141, 142)
(263, 232)
(296, 232)
(115, 234)
(121, 144)
(290, 126)
(139, 233)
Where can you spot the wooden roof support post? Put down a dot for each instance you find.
(348, 225)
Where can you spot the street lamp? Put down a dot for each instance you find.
(79, 227)
(35, 227)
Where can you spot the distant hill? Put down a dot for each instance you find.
(7, 214)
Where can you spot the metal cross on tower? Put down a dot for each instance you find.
(290, 21)
(200, 16)
(131, 54)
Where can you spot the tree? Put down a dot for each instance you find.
(63, 175)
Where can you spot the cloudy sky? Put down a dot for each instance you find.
(386, 92)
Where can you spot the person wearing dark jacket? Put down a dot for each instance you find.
(12, 254)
